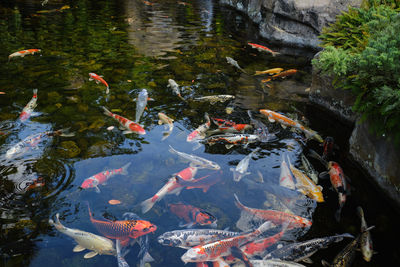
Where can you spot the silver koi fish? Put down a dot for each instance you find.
(175, 88)
(232, 139)
(235, 64)
(260, 129)
(241, 169)
(120, 258)
(141, 103)
(286, 178)
(97, 244)
(215, 98)
(196, 161)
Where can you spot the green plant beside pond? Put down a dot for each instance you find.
(367, 61)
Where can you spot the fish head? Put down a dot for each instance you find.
(215, 166)
(89, 183)
(142, 227)
(196, 254)
(237, 176)
(170, 239)
(12, 152)
(134, 127)
(92, 75)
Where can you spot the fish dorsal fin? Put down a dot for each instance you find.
(308, 260)
(90, 254)
(78, 248)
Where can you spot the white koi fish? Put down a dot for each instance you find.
(196, 161)
(141, 103)
(241, 169)
(200, 132)
(97, 244)
(175, 88)
(28, 109)
(164, 119)
(215, 98)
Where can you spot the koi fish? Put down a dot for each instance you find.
(28, 109)
(216, 250)
(276, 217)
(241, 169)
(175, 88)
(169, 123)
(103, 177)
(120, 259)
(193, 237)
(305, 185)
(32, 141)
(230, 126)
(173, 186)
(215, 98)
(365, 239)
(301, 251)
(196, 161)
(204, 182)
(234, 63)
(122, 230)
(99, 79)
(345, 257)
(275, 263)
(200, 132)
(339, 183)
(270, 71)
(130, 126)
(21, 187)
(232, 139)
(260, 129)
(286, 178)
(95, 243)
(263, 49)
(327, 147)
(141, 104)
(285, 121)
(284, 73)
(311, 172)
(2, 93)
(23, 53)
(192, 215)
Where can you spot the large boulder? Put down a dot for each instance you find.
(292, 22)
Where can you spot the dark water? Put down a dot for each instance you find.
(135, 45)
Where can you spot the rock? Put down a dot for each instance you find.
(69, 149)
(292, 22)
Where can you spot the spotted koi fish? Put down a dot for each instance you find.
(23, 53)
(123, 230)
(285, 121)
(276, 217)
(232, 139)
(28, 109)
(130, 126)
(103, 177)
(263, 49)
(216, 250)
(99, 79)
(173, 186)
(230, 126)
(200, 132)
(192, 215)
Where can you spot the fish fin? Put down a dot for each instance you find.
(165, 135)
(271, 119)
(90, 79)
(127, 132)
(237, 253)
(97, 81)
(323, 175)
(308, 260)
(325, 263)
(320, 187)
(228, 146)
(106, 111)
(97, 189)
(90, 254)
(147, 258)
(107, 90)
(125, 169)
(150, 99)
(78, 248)
(220, 263)
(283, 126)
(197, 146)
(147, 205)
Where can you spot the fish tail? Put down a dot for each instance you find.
(57, 224)
(125, 169)
(207, 118)
(107, 112)
(147, 205)
(90, 213)
(360, 212)
(264, 227)
(35, 92)
(238, 203)
(146, 258)
(274, 53)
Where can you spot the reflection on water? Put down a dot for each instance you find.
(138, 45)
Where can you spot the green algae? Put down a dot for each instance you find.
(68, 149)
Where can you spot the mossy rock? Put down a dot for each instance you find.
(83, 107)
(152, 84)
(97, 125)
(81, 126)
(53, 97)
(99, 149)
(69, 149)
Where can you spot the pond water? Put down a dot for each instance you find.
(138, 45)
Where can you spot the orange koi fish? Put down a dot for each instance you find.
(131, 127)
(285, 121)
(192, 215)
(99, 79)
(263, 49)
(216, 250)
(23, 53)
(200, 132)
(204, 182)
(339, 183)
(28, 109)
(2, 93)
(173, 186)
(123, 230)
(276, 217)
(284, 73)
(270, 71)
(103, 177)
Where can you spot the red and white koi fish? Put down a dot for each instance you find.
(122, 230)
(230, 126)
(200, 132)
(192, 215)
(222, 248)
(286, 178)
(28, 109)
(232, 139)
(131, 127)
(276, 217)
(103, 177)
(99, 79)
(263, 49)
(173, 186)
(23, 53)
(339, 183)
(285, 121)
